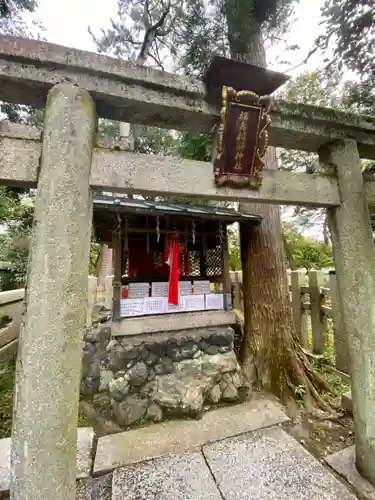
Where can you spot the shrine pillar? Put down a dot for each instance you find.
(354, 253)
(44, 437)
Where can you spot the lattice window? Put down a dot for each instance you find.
(158, 259)
(194, 263)
(214, 264)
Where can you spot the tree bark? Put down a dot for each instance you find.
(271, 354)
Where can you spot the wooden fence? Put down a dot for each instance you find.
(316, 312)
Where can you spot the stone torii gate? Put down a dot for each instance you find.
(67, 163)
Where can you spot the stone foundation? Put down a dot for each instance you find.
(149, 378)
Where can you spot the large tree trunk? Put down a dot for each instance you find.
(271, 354)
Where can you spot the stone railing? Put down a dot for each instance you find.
(11, 308)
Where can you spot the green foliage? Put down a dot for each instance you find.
(26, 115)
(142, 30)
(14, 245)
(234, 250)
(196, 147)
(359, 97)
(155, 141)
(12, 21)
(307, 253)
(351, 23)
(108, 129)
(9, 7)
(201, 34)
(6, 399)
(321, 87)
(7, 378)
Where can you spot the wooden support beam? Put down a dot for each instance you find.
(299, 315)
(317, 322)
(202, 252)
(117, 245)
(227, 282)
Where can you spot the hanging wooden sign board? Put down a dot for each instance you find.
(242, 138)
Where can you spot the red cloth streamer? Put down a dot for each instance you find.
(172, 259)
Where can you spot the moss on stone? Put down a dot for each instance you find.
(6, 399)
(7, 376)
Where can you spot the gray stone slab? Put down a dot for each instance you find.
(130, 93)
(85, 441)
(271, 465)
(343, 462)
(95, 488)
(181, 477)
(4, 464)
(179, 436)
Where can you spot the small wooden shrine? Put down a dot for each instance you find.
(142, 233)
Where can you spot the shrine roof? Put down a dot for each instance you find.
(152, 207)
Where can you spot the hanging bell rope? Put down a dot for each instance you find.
(221, 233)
(126, 237)
(118, 223)
(158, 229)
(147, 238)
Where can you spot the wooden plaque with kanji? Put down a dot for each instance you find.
(242, 138)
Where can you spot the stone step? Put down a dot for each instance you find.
(270, 464)
(178, 477)
(343, 462)
(262, 465)
(95, 488)
(85, 442)
(178, 436)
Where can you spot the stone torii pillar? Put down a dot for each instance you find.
(43, 458)
(354, 253)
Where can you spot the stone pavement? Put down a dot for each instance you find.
(234, 453)
(178, 436)
(263, 465)
(343, 463)
(85, 444)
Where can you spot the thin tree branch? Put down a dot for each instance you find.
(157, 53)
(311, 52)
(150, 36)
(146, 16)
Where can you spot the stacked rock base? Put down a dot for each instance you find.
(179, 376)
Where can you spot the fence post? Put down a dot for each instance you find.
(317, 320)
(354, 253)
(237, 302)
(299, 314)
(108, 292)
(43, 457)
(340, 340)
(92, 284)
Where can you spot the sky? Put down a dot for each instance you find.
(66, 23)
